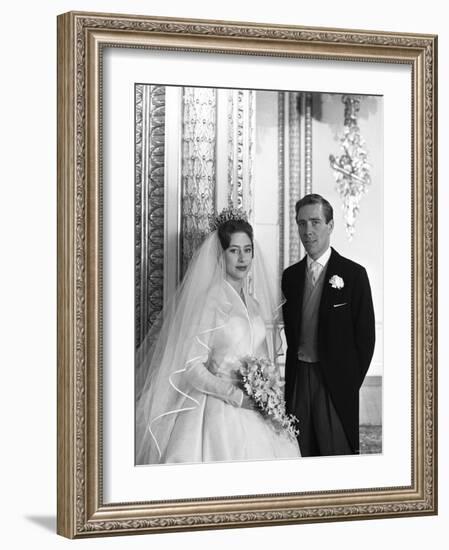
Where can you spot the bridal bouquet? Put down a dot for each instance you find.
(262, 382)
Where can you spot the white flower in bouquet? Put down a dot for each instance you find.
(262, 382)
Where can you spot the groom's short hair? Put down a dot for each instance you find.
(314, 198)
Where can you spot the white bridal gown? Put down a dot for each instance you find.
(218, 429)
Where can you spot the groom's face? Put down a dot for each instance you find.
(314, 232)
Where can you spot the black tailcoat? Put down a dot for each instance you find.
(346, 335)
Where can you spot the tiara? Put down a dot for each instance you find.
(226, 215)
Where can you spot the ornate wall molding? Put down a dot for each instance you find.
(232, 183)
(294, 184)
(239, 157)
(198, 167)
(307, 114)
(241, 149)
(282, 214)
(150, 154)
(249, 204)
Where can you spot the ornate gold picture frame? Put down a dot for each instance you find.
(83, 510)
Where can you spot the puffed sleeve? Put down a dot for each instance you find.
(206, 382)
(197, 374)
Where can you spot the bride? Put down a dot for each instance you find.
(191, 407)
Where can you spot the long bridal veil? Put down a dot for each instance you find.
(181, 338)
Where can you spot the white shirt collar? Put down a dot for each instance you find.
(322, 260)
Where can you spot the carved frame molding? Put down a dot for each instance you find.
(81, 37)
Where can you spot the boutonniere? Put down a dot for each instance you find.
(336, 282)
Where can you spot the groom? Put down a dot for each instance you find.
(329, 326)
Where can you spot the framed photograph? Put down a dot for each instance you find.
(244, 211)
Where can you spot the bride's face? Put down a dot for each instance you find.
(238, 257)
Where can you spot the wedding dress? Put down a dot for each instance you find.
(190, 408)
(219, 429)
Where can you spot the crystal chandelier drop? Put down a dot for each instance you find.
(351, 169)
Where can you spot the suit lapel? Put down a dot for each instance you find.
(331, 269)
(299, 288)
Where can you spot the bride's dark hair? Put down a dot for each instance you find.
(228, 228)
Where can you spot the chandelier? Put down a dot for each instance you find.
(351, 168)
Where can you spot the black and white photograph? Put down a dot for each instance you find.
(246, 284)
(222, 241)
(259, 271)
